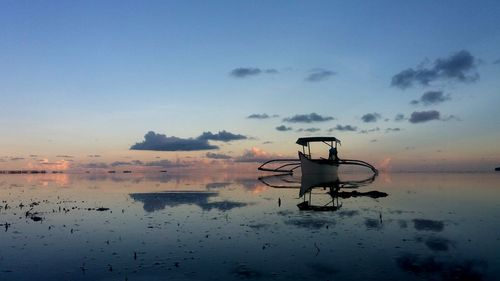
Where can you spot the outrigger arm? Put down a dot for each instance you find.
(292, 164)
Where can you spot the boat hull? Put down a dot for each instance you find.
(318, 166)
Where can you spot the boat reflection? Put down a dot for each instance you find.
(323, 185)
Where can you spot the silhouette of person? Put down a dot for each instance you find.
(333, 154)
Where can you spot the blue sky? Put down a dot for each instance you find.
(93, 77)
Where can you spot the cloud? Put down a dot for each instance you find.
(309, 130)
(346, 128)
(399, 117)
(95, 165)
(65, 156)
(16, 158)
(217, 156)
(388, 130)
(261, 116)
(319, 74)
(432, 98)
(255, 154)
(160, 142)
(451, 117)
(497, 61)
(165, 164)
(307, 118)
(283, 128)
(369, 131)
(457, 67)
(221, 136)
(424, 116)
(371, 117)
(94, 156)
(243, 72)
(131, 163)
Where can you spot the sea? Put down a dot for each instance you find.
(230, 226)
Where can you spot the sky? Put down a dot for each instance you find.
(100, 84)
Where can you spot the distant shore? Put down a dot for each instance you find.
(15, 172)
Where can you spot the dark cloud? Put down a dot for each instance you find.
(457, 67)
(98, 165)
(432, 98)
(376, 129)
(346, 128)
(308, 118)
(243, 72)
(388, 130)
(212, 155)
(160, 142)
(424, 116)
(319, 74)
(165, 164)
(131, 163)
(451, 117)
(221, 136)
(65, 156)
(399, 117)
(16, 158)
(283, 128)
(261, 116)
(309, 130)
(371, 117)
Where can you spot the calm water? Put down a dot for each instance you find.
(214, 227)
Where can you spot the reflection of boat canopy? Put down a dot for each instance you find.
(311, 165)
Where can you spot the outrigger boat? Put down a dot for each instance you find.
(310, 165)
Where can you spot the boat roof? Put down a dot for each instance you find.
(305, 141)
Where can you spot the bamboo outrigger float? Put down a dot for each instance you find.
(313, 166)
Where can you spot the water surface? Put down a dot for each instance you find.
(221, 226)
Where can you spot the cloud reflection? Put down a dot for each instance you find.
(160, 200)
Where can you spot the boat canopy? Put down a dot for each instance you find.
(306, 141)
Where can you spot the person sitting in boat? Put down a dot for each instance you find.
(333, 154)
